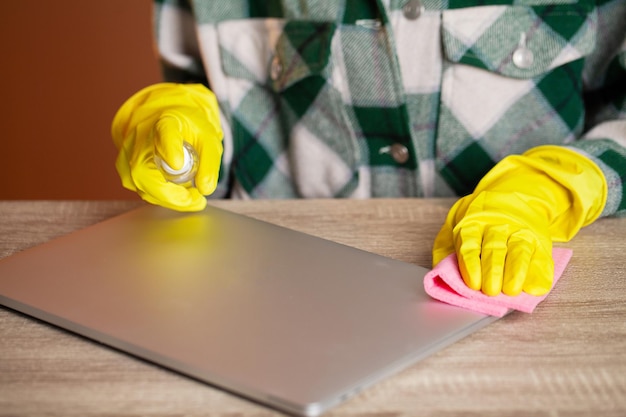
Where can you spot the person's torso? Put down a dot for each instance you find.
(398, 98)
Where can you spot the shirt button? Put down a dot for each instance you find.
(399, 153)
(276, 68)
(413, 9)
(523, 57)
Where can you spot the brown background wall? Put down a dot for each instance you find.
(65, 68)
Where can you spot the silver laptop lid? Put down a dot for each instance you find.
(290, 320)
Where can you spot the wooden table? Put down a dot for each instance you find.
(568, 358)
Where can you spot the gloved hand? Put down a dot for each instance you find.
(502, 233)
(157, 120)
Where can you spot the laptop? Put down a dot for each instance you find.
(292, 321)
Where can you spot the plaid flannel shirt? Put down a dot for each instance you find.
(372, 98)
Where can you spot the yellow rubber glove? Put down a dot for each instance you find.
(502, 233)
(156, 121)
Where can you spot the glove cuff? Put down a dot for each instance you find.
(579, 174)
(564, 186)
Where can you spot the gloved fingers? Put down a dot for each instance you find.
(540, 272)
(468, 244)
(210, 159)
(169, 132)
(493, 256)
(443, 245)
(154, 188)
(521, 247)
(122, 166)
(133, 154)
(444, 241)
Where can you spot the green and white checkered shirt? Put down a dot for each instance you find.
(390, 98)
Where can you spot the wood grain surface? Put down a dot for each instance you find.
(568, 358)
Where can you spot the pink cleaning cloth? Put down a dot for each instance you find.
(445, 283)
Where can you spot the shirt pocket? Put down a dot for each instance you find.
(512, 80)
(289, 125)
(519, 42)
